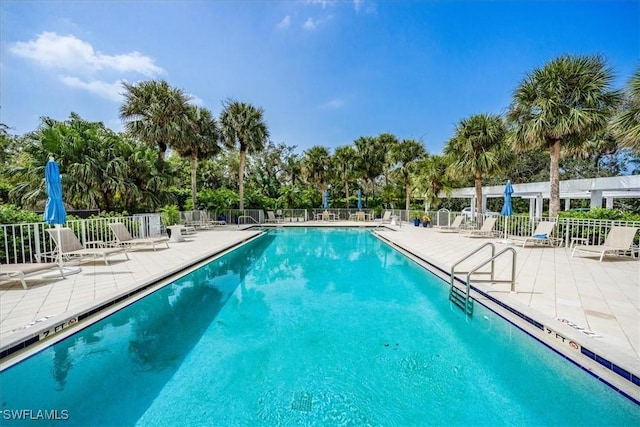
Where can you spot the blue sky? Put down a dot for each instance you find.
(325, 72)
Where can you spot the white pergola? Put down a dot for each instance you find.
(594, 189)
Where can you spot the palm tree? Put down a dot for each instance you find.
(432, 179)
(316, 162)
(560, 107)
(199, 142)
(627, 124)
(344, 160)
(370, 160)
(405, 155)
(477, 149)
(155, 113)
(243, 125)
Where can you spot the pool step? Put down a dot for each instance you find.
(459, 298)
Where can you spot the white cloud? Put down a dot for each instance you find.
(194, 100)
(323, 3)
(310, 24)
(70, 53)
(110, 91)
(285, 23)
(333, 104)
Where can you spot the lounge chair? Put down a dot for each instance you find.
(542, 235)
(68, 245)
(454, 227)
(210, 223)
(271, 217)
(619, 239)
(485, 231)
(386, 218)
(126, 240)
(23, 272)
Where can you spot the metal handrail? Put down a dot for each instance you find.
(467, 256)
(475, 269)
(247, 216)
(491, 260)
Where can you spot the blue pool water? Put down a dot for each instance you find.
(307, 327)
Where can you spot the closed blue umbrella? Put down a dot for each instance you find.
(359, 199)
(326, 200)
(507, 209)
(54, 212)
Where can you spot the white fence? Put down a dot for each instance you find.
(24, 243)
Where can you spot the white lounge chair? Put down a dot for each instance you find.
(485, 231)
(126, 240)
(26, 271)
(454, 227)
(386, 218)
(542, 235)
(69, 246)
(271, 217)
(618, 240)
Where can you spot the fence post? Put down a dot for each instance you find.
(37, 249)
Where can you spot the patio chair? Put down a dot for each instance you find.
(24, 272)
(126, 240)
(454, 227)
(69, 246)
(618, 240)
(271, 217)
(542, 235)
(485, 231)
(386, 218)
(210, 223)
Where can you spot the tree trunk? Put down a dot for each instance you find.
(554, 179)
(346, 192)
(194, 170)
(243, 157)
(408, 195)
(477, 179)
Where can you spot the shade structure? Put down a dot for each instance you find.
(326, 199)
(359, 199)
(507, 209)
(54, 212)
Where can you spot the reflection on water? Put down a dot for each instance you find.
(303, 327)
(145, 343)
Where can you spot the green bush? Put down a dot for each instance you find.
(11, 214)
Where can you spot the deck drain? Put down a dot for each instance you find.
(302, 401)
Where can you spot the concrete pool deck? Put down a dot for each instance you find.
(596, 302)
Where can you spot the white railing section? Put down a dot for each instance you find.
(24, 243)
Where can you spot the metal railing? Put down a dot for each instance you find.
(23, 243)
(463, 299)
(29, 242)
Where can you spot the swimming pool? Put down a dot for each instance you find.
(307, 327)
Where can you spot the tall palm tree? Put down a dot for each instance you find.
(370, 160)
(155, 113)
(344, 160)
(200, 141)
(316, 163)
(404, 156)
(626, 125)
(560, 107)
(476, 150)
(243, 125)
(432, 179)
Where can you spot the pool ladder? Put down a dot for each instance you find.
(460, 296)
